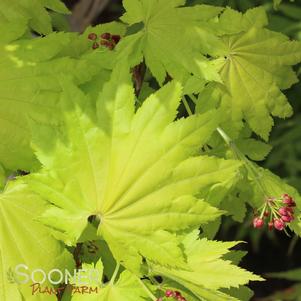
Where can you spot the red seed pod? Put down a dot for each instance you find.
(116, 38)
(279, 224)
(291, 216)
(287, 199)
(104, 43)
(111, 45)
(286, 218)
(292, 204)
(271, 225)
(283, 210)
(92, 36)
(169, 293)
(289, 209)
(266, 213)
(258, 222)
(95, 45)
(106, 36)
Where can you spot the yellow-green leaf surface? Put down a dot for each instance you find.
(138, 172)
(23, 240)
(206, 270)
(127, 288)
(170, 39)
(16, 17)
(256, 67)
(2, 177)
(29, 88)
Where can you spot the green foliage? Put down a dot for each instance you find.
(170, 39)
(120, 176)
(126, 288)
(32, 66)
(201, 276)
(256, 67)
(98, 161)
(25, 241)
(22, 16)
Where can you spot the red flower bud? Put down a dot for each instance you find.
(279, 224)
(92, 36)
(266, 213)
(292, 204)
(104, 43)
(95, 45)
(258, 222)
(111, 45)
(116, 38)
(283, 211)
(169, 293)
(289, 209)
(286, 218)
(288, 200)
(106, 36)
(271, 225)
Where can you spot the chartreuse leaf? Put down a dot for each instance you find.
(127, 288)
(206, 272)
(19, 16)
(2, 177)
(242, 293)
(29, 88)
(92, 273)
(233, 22)
(25, 241)
(255, 69)
(138, 173)
(170, 38)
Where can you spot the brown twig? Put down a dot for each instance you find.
(138, 76)
(84, 12)
(76, 255)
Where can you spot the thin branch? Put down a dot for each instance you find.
(138, 75)
(85, 12)
(76, 255)
(115, 274)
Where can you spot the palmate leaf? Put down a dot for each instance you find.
(170, 39)
(137, 172)
(29, 88)
(256, 68)
(127, 288)
(2, 177)
(206, 272)
(16, 17)
(25, 241)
